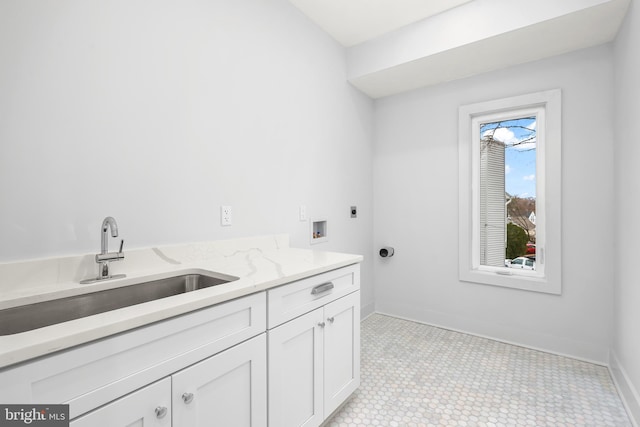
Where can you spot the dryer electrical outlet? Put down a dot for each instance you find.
(225, 216)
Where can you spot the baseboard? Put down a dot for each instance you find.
(367, 310)
(518, 344)
(628, 393)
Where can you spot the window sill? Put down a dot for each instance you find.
(522, 280)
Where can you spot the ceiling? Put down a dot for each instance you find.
(354, 21)
(394, 46)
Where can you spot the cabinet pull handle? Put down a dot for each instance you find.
(331, 319)
(321, 324)
(161, 411)
(322, 288)
(187, 397)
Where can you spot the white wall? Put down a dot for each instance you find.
(626, 349)
(158, 114)
(416, 210)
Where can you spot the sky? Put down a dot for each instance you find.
(520, 158)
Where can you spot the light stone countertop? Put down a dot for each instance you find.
(259, 263)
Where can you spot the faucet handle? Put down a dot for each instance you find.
(111, 256)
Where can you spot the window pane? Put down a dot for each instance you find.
(516, 141)
(507, 190)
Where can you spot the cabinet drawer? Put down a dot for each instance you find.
(93, 374)
(294, 299)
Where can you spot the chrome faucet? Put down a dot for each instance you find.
(109, 222)
(105, 257)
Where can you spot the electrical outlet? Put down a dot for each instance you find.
(225, 216)
(303, 213)
(354, 212)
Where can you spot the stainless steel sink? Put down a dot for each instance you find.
(33, 316)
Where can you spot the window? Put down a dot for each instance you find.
(509, 192)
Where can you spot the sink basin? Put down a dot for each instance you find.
(33, 316)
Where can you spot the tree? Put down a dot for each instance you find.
(518, 211)
(516, 241)
(500, 133)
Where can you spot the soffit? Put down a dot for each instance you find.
(399, 45)
(351, 22)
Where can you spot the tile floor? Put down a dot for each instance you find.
(418, 375)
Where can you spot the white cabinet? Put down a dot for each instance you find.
(228, 389)
(149, 406)
(295, 372)
(213, 366)
(314, 363)
(341, 351)
(89, 376)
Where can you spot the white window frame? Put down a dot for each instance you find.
(546, 106)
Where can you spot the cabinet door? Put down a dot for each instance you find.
(228, 389)
(341, 350)
(149, 406)
(295, 372)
